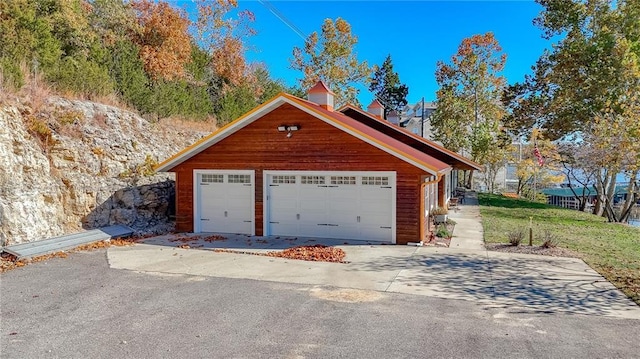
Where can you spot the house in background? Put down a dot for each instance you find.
(296, 167)
(417, 118)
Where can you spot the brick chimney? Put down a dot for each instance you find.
(321, 95)
(376, 108)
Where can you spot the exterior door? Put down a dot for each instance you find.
(224, 202)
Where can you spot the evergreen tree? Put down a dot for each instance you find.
(386, 86)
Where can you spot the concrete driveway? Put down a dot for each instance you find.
(526, 283)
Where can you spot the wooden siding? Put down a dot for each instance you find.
(316, 146)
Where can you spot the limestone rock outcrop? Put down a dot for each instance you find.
(72, 165)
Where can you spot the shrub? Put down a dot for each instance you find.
(442, 232)
(10, 75)
(131, 81)
(81, 77)
(515, 237)
(439, 211)
(549, 239)
(39, 128)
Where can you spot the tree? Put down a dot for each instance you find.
(585, 88)
(385, 85)
(113, 21)
(254, 90)
(578, 170)
(223, 36)
(26, 38)
(469, 112)
(165, 44)
(537, 166)
(330, 57)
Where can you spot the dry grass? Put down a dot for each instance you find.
(182, 124)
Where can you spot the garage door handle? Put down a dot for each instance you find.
(386, 187)
(358, 219)
(204, 219)
(274, 222)
(386, 227)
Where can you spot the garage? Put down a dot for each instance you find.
(299, 167)
(350, 205)
(224, 201)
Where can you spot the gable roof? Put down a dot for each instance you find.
(418, 142)
(339, 120)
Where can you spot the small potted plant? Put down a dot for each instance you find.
(439, 214)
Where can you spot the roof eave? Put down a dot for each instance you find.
(470, 165)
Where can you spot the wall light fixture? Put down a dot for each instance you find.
(288, 129)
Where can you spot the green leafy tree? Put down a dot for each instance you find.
(385, 85)
(330, 57)
(241, 99)
(585, 88)
(26, 38)
(127, 70)
(113, 21)
(469, 113)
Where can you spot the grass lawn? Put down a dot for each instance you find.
(611, 249)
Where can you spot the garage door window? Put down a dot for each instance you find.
(239, 179)
(283, 179)
(343, 180)
(211, 178)
(375, 181)
(312, 180)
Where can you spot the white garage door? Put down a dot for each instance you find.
(224, 202)
(331, 205)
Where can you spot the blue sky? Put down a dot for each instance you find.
(416, 33)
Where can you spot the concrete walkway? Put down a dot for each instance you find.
(468, 233)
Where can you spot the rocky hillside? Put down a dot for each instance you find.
(68, 165)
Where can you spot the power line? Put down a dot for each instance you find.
(282, 18)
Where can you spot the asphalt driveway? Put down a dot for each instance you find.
(502, 280)
(80, 307)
